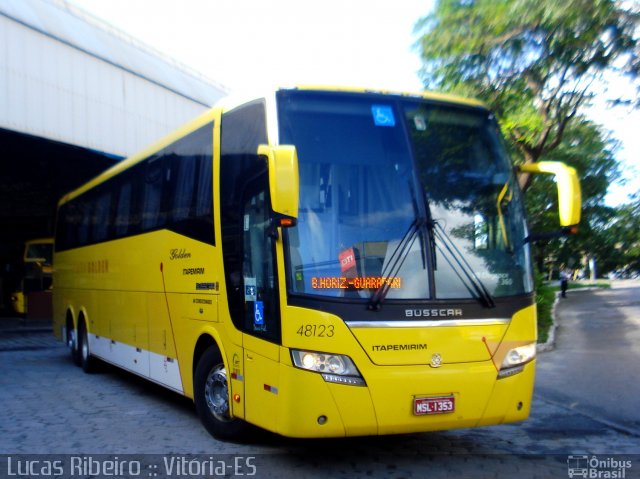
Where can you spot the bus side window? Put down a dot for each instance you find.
(85, 208)
(152, 213)
(67, 226)
(261, 314)
(123, 210)
(204, 197)
(248, 251)
(101, 217)
(189, 190)
(183, 172)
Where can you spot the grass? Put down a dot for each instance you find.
(545, 296)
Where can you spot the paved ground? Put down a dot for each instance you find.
(594, 367)
(49, 406)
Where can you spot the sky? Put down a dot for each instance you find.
(244, 43)
(253, 44)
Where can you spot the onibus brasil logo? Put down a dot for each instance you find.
(597, 467)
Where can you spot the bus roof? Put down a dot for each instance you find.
(426, 95)
(232, 101)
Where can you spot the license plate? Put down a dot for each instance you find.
(433, 405)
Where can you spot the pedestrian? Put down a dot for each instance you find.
(564, 282)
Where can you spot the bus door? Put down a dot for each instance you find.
(261, 332)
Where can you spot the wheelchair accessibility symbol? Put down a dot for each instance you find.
(383, 115)
(258, 313)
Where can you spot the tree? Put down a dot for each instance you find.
(535, 63)
(623, 236)
(532, 61)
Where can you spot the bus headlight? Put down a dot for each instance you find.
(515, 360)
(334, 368)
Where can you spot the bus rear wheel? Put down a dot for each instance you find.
(211, 397)
(72, 344)
(87, 362)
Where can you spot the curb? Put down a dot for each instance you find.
(550, 344)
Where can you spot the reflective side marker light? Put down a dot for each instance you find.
(286, 222)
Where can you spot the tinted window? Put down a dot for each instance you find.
(189, 174)
(245, 207)
(153, 216)
(85, 221)
(101, 217)
(373, 169)
(184, 189)
(123, 211)
(173, 189)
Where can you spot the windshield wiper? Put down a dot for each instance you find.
(474, 283)
(396, 260)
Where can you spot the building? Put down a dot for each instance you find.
(76, 95)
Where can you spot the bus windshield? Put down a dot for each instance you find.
(411, 196)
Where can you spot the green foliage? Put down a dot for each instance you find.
(545, 297)
(621, 240)
(534, 63)
(531, 61)
(584, 147)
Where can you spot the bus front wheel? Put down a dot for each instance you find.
(211, 397)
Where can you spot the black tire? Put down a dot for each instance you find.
(72, 344)
(211, 397)
(87, 362)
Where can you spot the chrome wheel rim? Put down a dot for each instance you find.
(216, 393)
(71, 340)
(85, 346)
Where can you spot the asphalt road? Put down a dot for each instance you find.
(595, 366)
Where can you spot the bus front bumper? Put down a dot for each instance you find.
(311, 407)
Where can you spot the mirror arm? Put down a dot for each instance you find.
(272, 230)
(562, 232)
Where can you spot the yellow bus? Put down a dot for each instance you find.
(317, 262)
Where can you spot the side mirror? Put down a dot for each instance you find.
(284, 182)
(569, 196)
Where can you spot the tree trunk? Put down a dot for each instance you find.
(524, 179)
